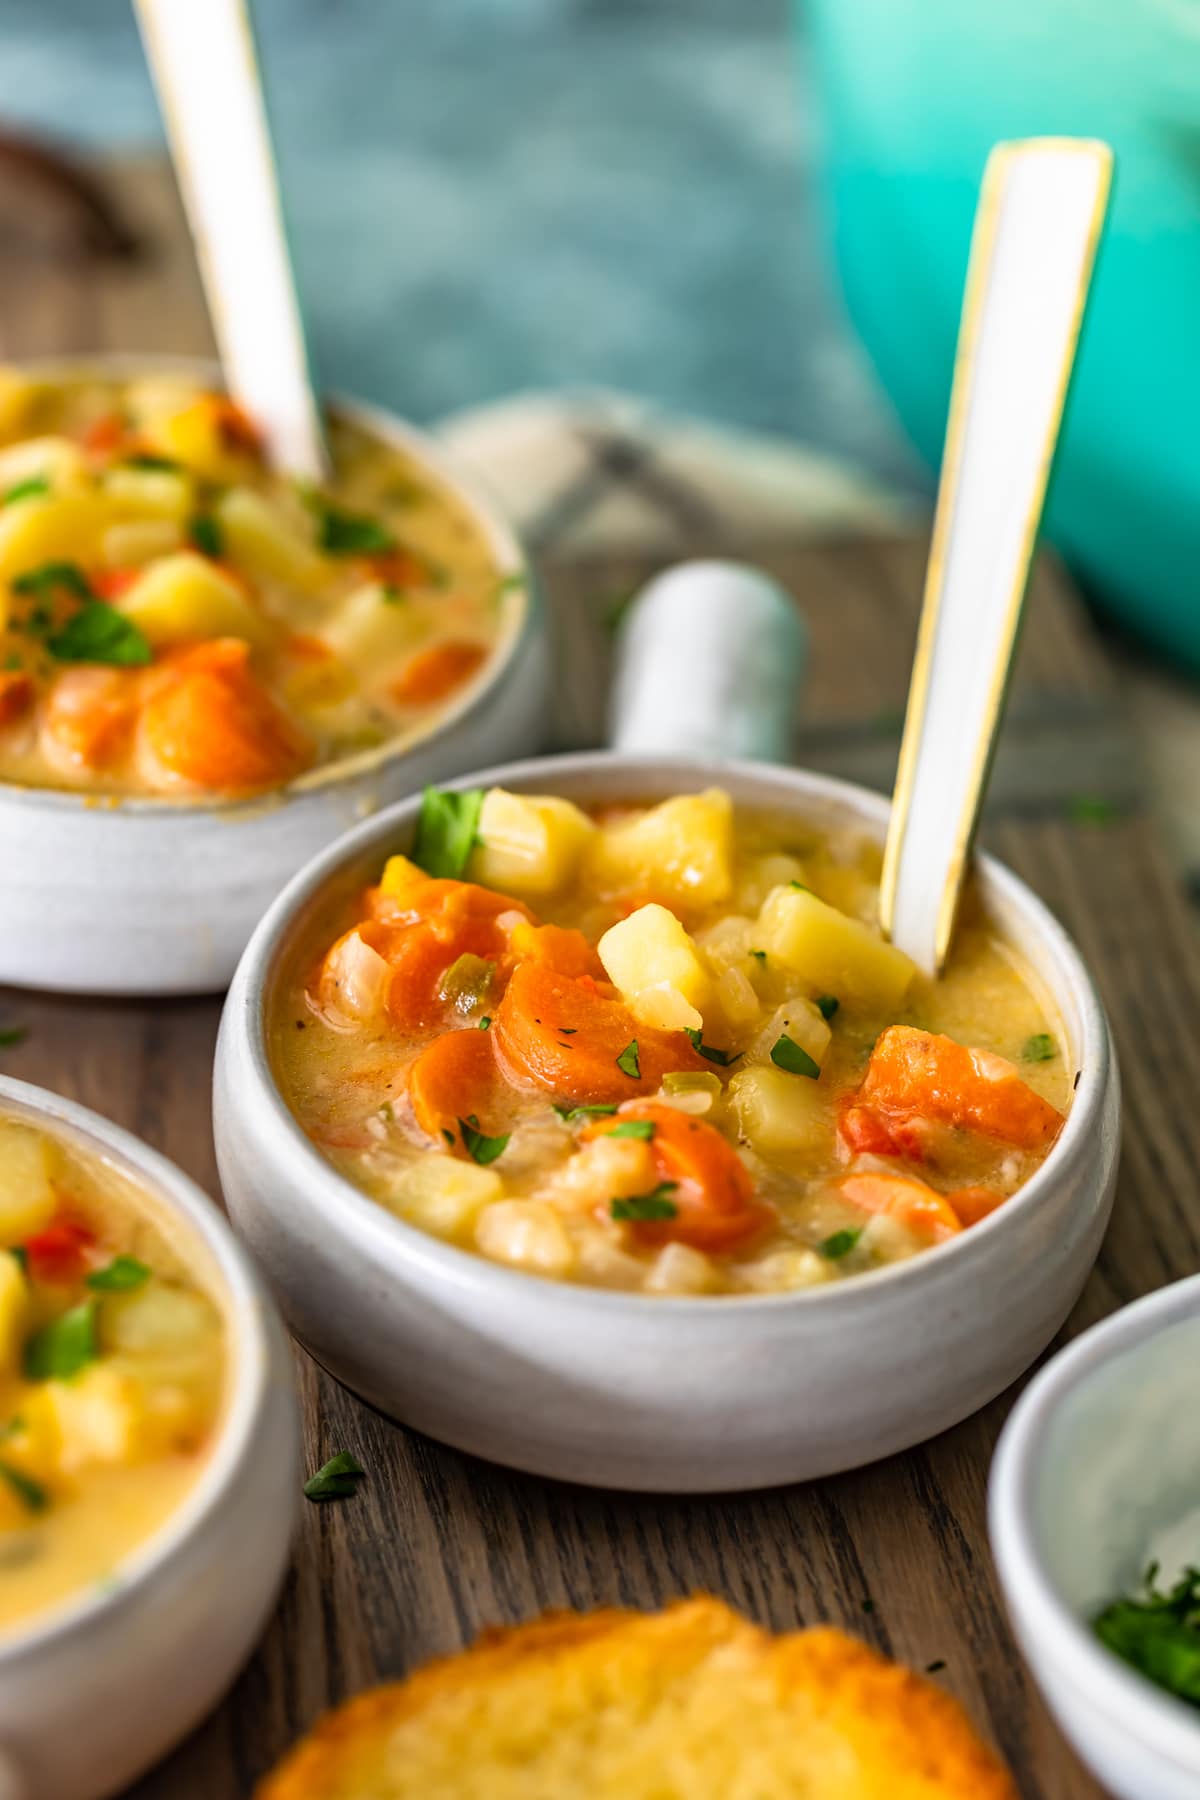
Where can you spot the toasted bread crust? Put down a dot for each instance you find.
(898, 1737)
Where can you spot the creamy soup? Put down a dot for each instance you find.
(111, 1371)
(661, 1048)
(178, 619)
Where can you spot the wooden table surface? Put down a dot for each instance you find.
(437, 1545)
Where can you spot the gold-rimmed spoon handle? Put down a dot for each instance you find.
(1037, 227)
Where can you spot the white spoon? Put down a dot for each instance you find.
(1039, 218)
(202, 56)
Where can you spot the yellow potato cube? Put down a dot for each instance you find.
(400, 877)
(15, 1313)
(262, 540)
(785, 1271)
(652, 960)
(54, 459)
(29, 1162)
(678, 1269)
(443, 1195)
(836, 954)
(370, 630)
(62, 527)
(528, 1234)
(185, 596)
(102, 1418)
(759, 874)
(135, 493)
(776, 1114)
(160, 1321)
(192, 435)
(131, 542)
(529, 843)
(681, 851)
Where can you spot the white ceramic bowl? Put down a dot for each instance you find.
(1100, 1457)
(631, 1390)
(97, 1688)
(146, 896)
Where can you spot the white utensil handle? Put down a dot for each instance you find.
(1040, 213)
(202, 56)
(709, 663)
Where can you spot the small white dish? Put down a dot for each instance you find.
(96, 1689)
(1100, 1459)
(170, 890)
(656, 1393)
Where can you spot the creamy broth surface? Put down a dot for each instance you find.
(799, 1104)
(179, 620)
(112, 1370)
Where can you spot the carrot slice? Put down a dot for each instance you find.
(435, 673)
(16, 695)
(560, 947)
(974, 1203)
(712, 1188)
(920, 1073)
(566, 1034)
(865, 1132)
(90, 715)
(208, 721)
(907, 1200)
(455, 1077)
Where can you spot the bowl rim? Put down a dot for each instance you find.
(1162, 1724)
(390, 1239)
(249, 1372)
(513, 572)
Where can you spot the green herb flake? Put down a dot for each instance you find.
(205, 534)
(146, 459)
(711, 1054)
(839, 1244)
(337, 1479)
(634, 1128)
(827, 1005)
(1091, 809)
(485, 1024)
(100, 634)
(20, 1256)
(120, 1276)
(344, 533)
(25, 490)
(449, 1136)
(391, 595)
(1158, 1633)
(628, 1062)
(30, 1492)
(599, 1111)
(1039, 1048)
(65, 1346)
(644, 1208)
(801, 887)
(481, 1148)
(787, 1054)
(447, 831)
(759, 956)
(52, 577)
(12, 1035)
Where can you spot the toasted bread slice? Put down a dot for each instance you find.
(693, 1703)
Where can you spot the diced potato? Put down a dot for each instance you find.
(736, 1000)
(609, 1168)
(783, 1271)
(443, 1195)
(760, 874)
(371, 631)
(798, 1020)
(17, 394)
(192, 434)
(887, 1240)
(837, 954)
(131, 542)
(101, 1417)
(678, 1269)
(185, 596)
(680, 851)
(56, 459)
(15, 1319)
(50, 528)
(529, 843)
(401, 877)
(161, 1321)
(528, 1234)
(776, 1113)
(135, 493)
(28, 1165)
(689, 1091)
(652, 960)
(726, 942)
(262, 540)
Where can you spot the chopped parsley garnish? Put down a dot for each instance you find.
(839, 1243)
(120, 1276)
(787, 1054)
(344, 533)
(100, 634)
(1091, 809)
(31, 1492)
(599, 1111)
(1158, 1633)
(642, 1208)
(722, 1058)
(25, 490)
(628, 1062)
(12, 1035)
(633, 1128)
(827, 1005)
(447, 831)
(205, 534)
(337, 1479)
(64, 1346)
(759, 955)
(52, 577)
(20, 1256)
(1039, 1048)
(485, 1023)
(801, 886)
(480, 1147)
(146, 459)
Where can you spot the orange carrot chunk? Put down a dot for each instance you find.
(435, 673)
(89, 716)
(921, 1074)
(566, 1035)
(456, 1077)
(16, 695)
(865, 1132)
(910, 1202)
(709, 1185)
(974, 1203)
(208, 721)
